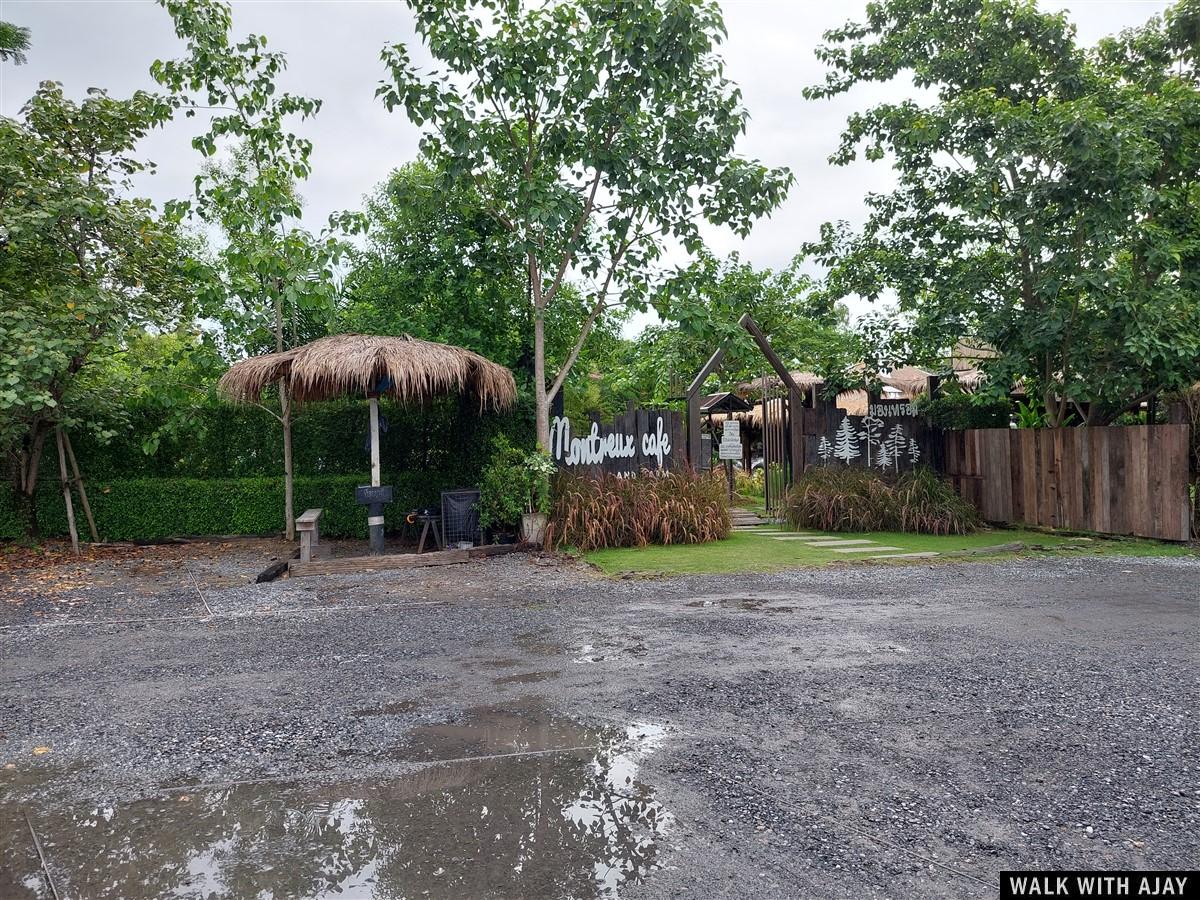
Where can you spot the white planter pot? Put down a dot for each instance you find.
(533, 528)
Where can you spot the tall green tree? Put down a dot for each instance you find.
(1046, 197)
(275, 272)
(595, 131)
(436, 265)
(83, 264)
(701, 306)
(14, 41)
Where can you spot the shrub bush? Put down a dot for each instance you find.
(959, 411)
(848, 499)
(609, 511)
(750, 485)
(514, 482)
(152, 508)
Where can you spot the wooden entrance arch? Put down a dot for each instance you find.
(795, 400)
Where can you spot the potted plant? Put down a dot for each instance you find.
(503, 492)
(538, 469)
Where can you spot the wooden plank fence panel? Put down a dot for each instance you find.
(1098, 510)
(993, 456)
(1117, 480)
(1137, 482)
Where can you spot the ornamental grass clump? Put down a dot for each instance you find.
(849, 499)
(926, 504)
(840, 499)
(590, 513)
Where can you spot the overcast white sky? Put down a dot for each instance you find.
(333, 51)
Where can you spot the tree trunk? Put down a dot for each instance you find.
(28, 479)
(285, 419)
(1196, 506)
(541, 401)
(289, 510)
(1053, 408)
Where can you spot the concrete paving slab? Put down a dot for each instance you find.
(837, 542)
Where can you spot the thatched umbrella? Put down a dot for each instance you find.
(409, 369)
(356, 363)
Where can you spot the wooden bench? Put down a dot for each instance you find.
(310, 533)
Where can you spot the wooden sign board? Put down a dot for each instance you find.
(635, 441)
(731, 440)
(365, 494)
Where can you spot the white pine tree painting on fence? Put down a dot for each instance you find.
(883, 458)
(824, 449)
(872, 430)
(846, 443)
(914, 452)
(897, 443)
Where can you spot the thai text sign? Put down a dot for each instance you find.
(731, 440)
(635, 440)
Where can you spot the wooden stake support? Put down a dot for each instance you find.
(78, 480)
(66, 487)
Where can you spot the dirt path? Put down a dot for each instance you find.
(505, 728)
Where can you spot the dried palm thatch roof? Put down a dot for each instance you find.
(908, 380)
(803, 380)
(853, 401)
(970, 379)
(355, 364)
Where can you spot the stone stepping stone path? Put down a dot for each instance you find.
(836, 542)
(845, 545)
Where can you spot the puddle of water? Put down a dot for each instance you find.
(573, 823)
(535, 642)
(496, 730)
(389, 709)
(505, 663)
(526, 678)
(758, 604)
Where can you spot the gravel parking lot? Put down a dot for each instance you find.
(521, 726)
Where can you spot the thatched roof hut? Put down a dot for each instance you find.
(412, 370)
(803, 380)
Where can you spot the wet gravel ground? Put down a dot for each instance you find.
(855, 732)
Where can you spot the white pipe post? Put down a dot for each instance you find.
(375, 473)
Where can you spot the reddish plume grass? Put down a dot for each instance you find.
(590, 513)
(832, 498)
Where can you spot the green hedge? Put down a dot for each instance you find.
(222, 440)
(222, 473)
(150, 508)
(959, 411)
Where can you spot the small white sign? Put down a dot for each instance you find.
(731, 441)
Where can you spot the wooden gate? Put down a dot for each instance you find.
(777, 449)
(1116, 480)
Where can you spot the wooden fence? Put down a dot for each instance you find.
(1118, 480)
(635, 440)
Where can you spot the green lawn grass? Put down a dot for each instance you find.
(745, 552)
